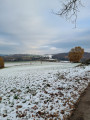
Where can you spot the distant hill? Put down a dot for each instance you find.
(3, 55)
(29, 57)
(64, 56)
(22, 57)
(60, 56)
(86, 56)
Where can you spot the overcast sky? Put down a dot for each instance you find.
(29, 26)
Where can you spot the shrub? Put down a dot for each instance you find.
(1, 62)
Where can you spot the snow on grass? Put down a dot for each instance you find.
(41, 91)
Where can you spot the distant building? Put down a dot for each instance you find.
(48, 58)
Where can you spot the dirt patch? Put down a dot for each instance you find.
(82, 111)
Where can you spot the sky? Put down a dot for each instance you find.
(30, 27)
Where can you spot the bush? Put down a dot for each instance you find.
(1, 62)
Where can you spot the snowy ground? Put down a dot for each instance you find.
(35, 91)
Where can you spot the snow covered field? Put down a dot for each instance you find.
(35, 91)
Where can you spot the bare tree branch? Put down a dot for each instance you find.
(70, 10)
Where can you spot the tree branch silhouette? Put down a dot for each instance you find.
(70, 9)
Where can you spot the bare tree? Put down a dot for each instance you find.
(70, 9)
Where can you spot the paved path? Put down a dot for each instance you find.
(82, 112)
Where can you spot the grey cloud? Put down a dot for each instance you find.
(29, 26)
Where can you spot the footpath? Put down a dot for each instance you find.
(82, 111)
